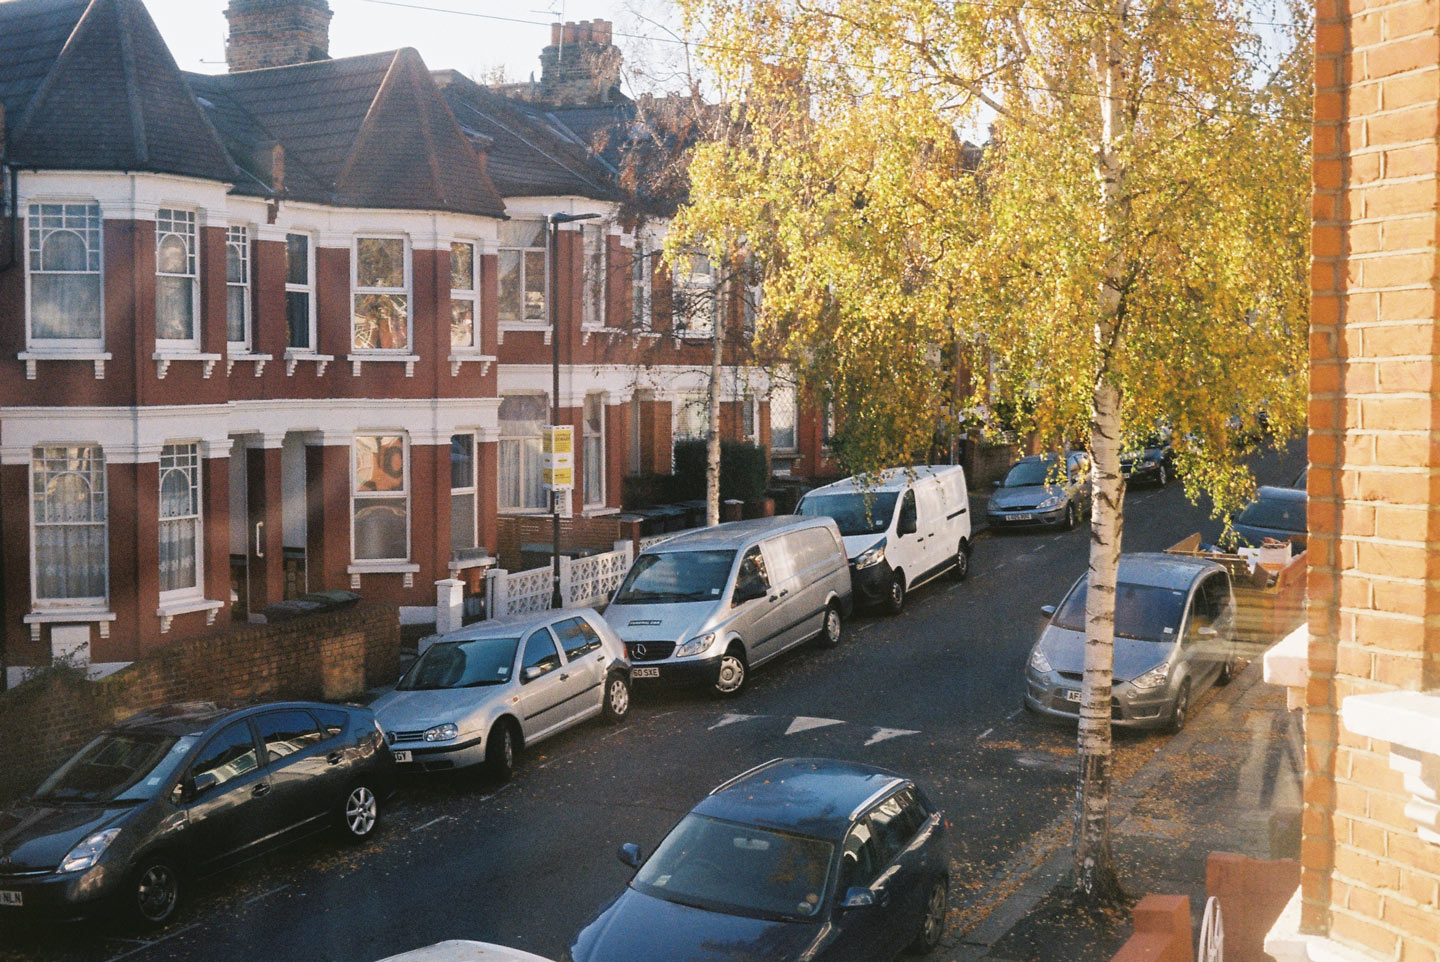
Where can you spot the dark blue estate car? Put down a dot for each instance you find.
(798, 858)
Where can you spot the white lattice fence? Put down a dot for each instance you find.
(653, 540)
(592, 580)
(519, 592)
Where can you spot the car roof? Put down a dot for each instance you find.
(736, 534)
(1273, 493)
(510, 625)
(193, 717)
(464, 950)
(1159, 570)
(891, 479)
(812, 796)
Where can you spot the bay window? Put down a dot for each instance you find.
(464, 296)
(180, 530)
(380, 499)
(177, 279)
(381, 298)
(299, 292)
(63, 253)
(523, 263)
(692, 417)
(593, 240)
(463, 492)
(237, 287)
(522, 486)
(640, 286)
(695, 296)
(594, 452)
(69, 518)
(782, 417)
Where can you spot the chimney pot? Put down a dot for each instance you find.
(555, 34)
(276, 33)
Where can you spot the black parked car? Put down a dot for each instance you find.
(184, 790)
(1153, 462)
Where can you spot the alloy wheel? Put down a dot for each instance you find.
(732, 674)
(157, 890)
(361, 811)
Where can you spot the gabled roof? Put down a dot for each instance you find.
(113, 97)
(525, 156)
(367, 131)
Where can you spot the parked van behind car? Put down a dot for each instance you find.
(908, 527)
(709, 605)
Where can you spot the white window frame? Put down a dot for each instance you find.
(89, 602)
(358, 497)
(749, 411)
(544, 248)
(472, 491)
(407, 290)
(641, 281)
(695, 287)
(237, 238)
(586, 436)
(33, 231)
(308, 289)
(701, 403)
(594, 273)
(788, 390)
(196, 590)
(543, 507)
(181, 217)
(471, 296)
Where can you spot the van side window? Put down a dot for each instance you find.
(907, 512)
(752, 571)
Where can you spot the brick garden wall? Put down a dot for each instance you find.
(1368, 881)
(332, 656)
(516, 530)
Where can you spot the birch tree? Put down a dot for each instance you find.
(1128, 248)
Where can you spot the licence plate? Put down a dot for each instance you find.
(12, 898)
(645, 673)
(403, 756)
(1020, 517)
(1072, 695)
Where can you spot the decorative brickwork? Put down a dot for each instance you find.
(581, 65)
(1368, 880)
(276, 33)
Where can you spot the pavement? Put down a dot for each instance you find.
(1229, 783)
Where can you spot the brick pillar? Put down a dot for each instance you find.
(327, 506)
(430, 514)
(215, 489)
(265, 551)
(1374, 583)
(617, 451)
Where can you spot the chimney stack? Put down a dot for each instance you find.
(581, 65)
(277, 33)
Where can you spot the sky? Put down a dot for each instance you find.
(472, 36)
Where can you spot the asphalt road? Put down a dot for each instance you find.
(933, 693)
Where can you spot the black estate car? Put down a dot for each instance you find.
(183, 790)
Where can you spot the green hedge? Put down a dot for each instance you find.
(744, 473)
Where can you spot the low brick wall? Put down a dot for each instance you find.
(1162, 931)
(515, 530)
(330, 656)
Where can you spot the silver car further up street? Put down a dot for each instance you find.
(485, 692)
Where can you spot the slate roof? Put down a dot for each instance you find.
(112, 97)
(526, 156)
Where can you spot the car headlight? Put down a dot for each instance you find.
(88, 852)
(1038, 661)
(1153, 678)
(441, 733)
(871, 556)
(695, 645)
(1054, 501)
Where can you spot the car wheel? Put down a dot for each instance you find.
(360, 813)
(154, 891)
(895, 597)
(731, 677)
(1164, 478)
(502, 751)
(617, 698)
(830, 631)
(1229, 670)
(962, 561)
(932, 924)
(1180, 713)
(1072, 516)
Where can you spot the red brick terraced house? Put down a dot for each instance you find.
(285, 329)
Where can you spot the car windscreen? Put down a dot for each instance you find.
(1026, 473)
(676, 576)
(1141, 611)
(854, 513)
(739, 870)
(118, 766)
(1281, 513)
(462, 664)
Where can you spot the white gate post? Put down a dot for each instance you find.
(567, 578)
(449, 605)
(496, 596)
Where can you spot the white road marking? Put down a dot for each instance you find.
(433, 821)
(263, 895)
(803, 723)
(146, 945)
(883, 734)
(984, 733)
(732, 720)
(1014, 713)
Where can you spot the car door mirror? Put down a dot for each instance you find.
(1047, 610)
(859, 897)
(531, 672)
(1205, 631)
(748, 591)
(202, 783)
(629, 853)
(994, 484)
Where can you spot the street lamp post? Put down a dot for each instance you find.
(552, 242)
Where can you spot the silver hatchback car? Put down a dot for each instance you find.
(484, 693)
(1174, 636)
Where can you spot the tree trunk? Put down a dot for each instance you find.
(712, 437)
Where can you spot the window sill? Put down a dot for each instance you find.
(259, 359)
(169, 609)
(406, 568)
(598, 511)
(293, 358)
(474, 357)
(356, 360)
(525, 512)
(534, 328)
(588, 331)
(163, 360)
(484, 561)
(50, 616)
(1410, 722)
(98, 358)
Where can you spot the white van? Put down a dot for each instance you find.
(909, 527)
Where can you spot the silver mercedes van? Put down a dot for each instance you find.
(709, 605)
